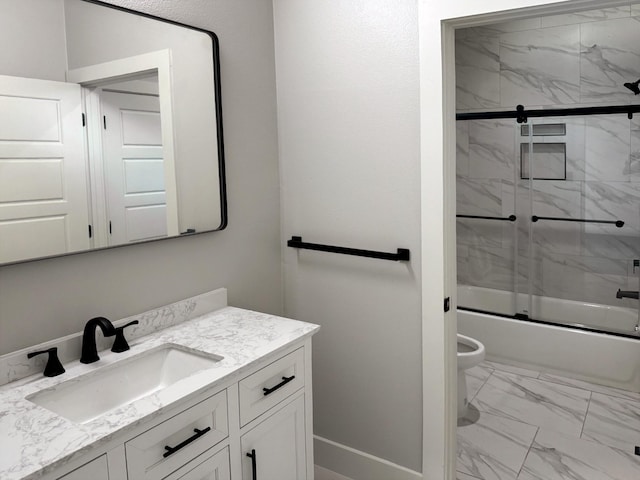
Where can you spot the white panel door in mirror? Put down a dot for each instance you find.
(135, 172)
(43, 173)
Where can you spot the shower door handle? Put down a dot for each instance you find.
(510, 218)
(617, 223)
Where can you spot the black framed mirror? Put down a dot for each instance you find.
(110, 129)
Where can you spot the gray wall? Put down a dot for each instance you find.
(36, 48)
(348, 127)
(50, 298)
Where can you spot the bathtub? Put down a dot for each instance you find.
(569, 312)
(594, 357)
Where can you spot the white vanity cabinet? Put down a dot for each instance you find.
(265, 412)
(275, 447)
(272, 416)
(95, 470)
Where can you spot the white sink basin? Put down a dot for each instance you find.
(92, 395)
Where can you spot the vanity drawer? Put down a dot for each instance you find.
(188, 434)
(270, 385)
(95, 470)
(205, 467)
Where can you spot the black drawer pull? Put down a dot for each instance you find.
(254, 465)
(284, 381)
(172, 450)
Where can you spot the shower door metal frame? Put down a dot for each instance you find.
(522, 115)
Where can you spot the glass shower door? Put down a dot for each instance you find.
(486, 226)
(583, 212)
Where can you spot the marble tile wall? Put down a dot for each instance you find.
(578, 59)
(540, 67)
(609, 60)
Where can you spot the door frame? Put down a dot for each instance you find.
(93, 76)
(437, 24)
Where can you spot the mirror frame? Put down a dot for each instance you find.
(219, 133)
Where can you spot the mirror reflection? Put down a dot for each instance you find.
(110, 130)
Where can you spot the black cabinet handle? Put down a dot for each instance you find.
(284, 381)
(254, 466)
(172, 450)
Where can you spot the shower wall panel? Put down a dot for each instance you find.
(609, 58)
(540, 66)
(580, 59)
(566, 60)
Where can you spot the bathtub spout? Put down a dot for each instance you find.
(626, 294)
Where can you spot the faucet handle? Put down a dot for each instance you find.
(53, 367)
(120, 343)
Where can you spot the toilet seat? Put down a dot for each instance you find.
(474, 352)
(470, 353)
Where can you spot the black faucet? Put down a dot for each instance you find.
(120, 343)
(627, 294)
(89, 349)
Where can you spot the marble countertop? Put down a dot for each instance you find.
(35, 441)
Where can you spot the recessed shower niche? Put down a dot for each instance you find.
(548, 153)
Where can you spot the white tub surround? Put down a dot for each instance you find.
(35, 441)
(593, 357)
(606, 318)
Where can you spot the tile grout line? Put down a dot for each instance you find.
(585, 415)
(483, 384)
(528, 452)
(610, 391)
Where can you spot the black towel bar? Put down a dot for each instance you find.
(402, 253)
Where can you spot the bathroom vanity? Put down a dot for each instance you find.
(225, 395)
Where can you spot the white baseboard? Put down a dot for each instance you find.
(357, 465)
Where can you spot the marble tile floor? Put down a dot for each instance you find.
(527, 425)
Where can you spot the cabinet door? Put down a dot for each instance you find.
(95, 470)
(277, 445)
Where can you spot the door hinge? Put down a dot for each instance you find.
(104, 121)
(447, 304)
(84, 120)
(109, 227)
(90, 232)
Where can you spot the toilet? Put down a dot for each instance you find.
(470, 353)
